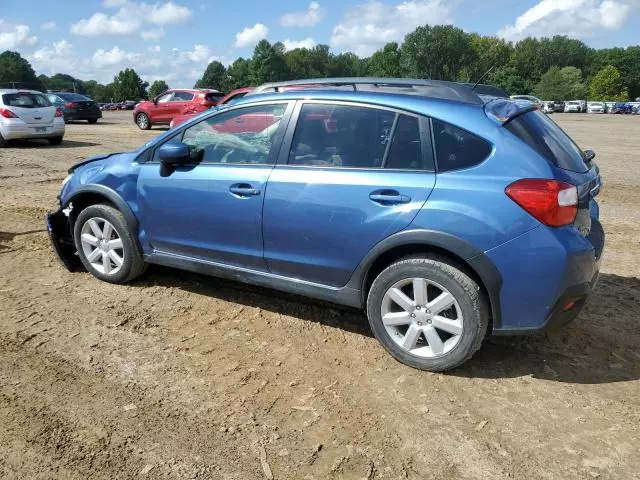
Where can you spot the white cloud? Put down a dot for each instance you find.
(101, 24)
(293, 44)
(13, 36)
(249, 36)
(199, 54)
(153, 34)
(114, 56)
(130, 17)
(576, 18)
(48, 26)
(369, 26)
(311, 17)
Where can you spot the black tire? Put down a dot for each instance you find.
(3, 142)
(466, 292)
(133, 264)
(54, 140)
(143, 121)
(93, 120)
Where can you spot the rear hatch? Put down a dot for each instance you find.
(571, 164)
(79, 103)
(31, 108)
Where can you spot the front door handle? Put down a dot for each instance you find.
(244, 190)
(389, 197)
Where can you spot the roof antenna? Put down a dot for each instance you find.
(482, 77)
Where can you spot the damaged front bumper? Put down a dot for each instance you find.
(62, 240)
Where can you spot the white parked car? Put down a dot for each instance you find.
(529, 98)
(596, 107)
(548, 107)
(573, 106)
(28, 114)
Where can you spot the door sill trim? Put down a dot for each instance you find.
(340, 295)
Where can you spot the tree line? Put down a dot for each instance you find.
(557, 68)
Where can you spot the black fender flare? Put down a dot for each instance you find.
(474, 258)
(113, 197)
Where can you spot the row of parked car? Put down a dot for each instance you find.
(126, 105)
(580, 106)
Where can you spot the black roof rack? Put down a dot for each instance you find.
(427, 88)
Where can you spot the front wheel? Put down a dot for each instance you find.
(427, 313)
(143, 122)
(106, 246)
(93, 120)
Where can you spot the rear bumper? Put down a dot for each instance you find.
(547, 277)
(17, 131)
(61, 240)
(87, 115)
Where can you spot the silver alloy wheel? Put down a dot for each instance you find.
(422, 317)
(102, 246)
(143, 121)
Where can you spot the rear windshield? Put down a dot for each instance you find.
(74, 97)
(543, 135)
(25, 100)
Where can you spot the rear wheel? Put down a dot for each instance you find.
(3, 142)
(54, 140)
(143, 122)
(427, 313)
(92, 120)
(106, 246)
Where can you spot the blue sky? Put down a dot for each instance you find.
(174, 40)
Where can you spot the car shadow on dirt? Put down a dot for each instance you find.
(24, 144)
(601, 346)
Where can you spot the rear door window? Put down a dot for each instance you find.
(456, 148)
(340, 136)
(25, 100)
(182, 97)
(407, 150)
(545, 137)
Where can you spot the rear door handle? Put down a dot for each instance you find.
(244, 190)
(389, 198)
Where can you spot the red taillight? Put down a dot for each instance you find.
(551, 202)
(7, 113)
(70, 105)
(59, 112)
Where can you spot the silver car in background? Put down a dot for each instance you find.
(575, 106)
(28, 114)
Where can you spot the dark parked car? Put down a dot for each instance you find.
(75, 106)
(558, 106)
(443, 214)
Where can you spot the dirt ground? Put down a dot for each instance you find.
(184, 376)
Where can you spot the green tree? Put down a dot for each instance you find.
(490, 53)
(561, 84)
(62, 82)
(608, 84)
(508, 77)
(214, 76)
(385, 62)
(157, 88)
(17, 71)
(268, 63)
(128, 85)
(346, 65)
(238, 74)
(438, 53)
(96, 91)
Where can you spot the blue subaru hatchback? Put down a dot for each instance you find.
(444, 214)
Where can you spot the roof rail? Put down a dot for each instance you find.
(427, 88)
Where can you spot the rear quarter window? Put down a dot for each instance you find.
(544, 136)
(456, 148)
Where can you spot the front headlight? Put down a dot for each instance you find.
(66, 180)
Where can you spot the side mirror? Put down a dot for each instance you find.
(589, 155)
(173, 154)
